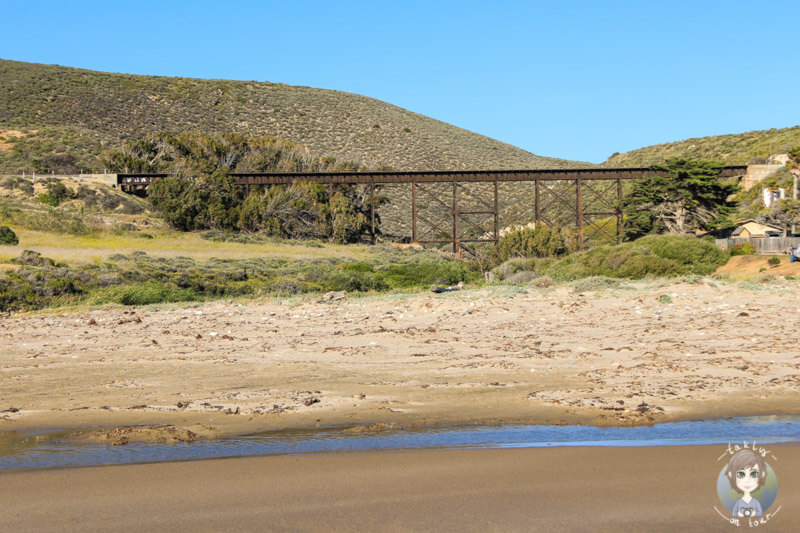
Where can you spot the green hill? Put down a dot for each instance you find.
(735, 149)
(59, 118)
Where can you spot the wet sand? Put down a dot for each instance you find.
(641, 353)
(559, 489)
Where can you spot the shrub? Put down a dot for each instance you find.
(426, 273)
(49, 220)
(512, 266)
(641, 266)
(522, 277)
(47, 199)
(17, 294)
(543, 282)
(147, 293)
(344, 280)
(59, 286)
(697, 256)
(540, 241)
(56, 193)
(654, 256)
(774, 261)
(7, 236)
(359, 267)
(595, 283)
(744, 248)
(29, 257)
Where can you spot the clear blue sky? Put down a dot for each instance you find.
(572, 79)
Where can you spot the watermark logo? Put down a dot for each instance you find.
(747, 485)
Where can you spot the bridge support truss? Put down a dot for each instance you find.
(465, 207)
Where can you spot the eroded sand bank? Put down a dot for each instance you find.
(646, 353)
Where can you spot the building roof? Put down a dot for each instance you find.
(757, 226)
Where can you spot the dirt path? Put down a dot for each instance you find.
(646, 353)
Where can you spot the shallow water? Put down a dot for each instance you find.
(45, 450)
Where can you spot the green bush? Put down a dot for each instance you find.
(512, 266)
(696, 256)
(56, 193)
(359, 267)
(17, 294)
(540, 241)
(47, 199)
(7, 236)
(59, 286)
(346, 280)
(426, 273)
(774, 261)
(623, 261)
(145, 294)
(653, 256)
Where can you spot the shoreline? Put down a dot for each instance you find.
(568, 489)
(68, 448)
(101, 426)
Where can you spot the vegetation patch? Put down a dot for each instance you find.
(200, 194)
(539, 241)
(744, 248)
(7, 236)
(650, 257)
(140, 279)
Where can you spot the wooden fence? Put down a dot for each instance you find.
(763, 245)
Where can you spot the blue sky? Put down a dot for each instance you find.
(571, 79)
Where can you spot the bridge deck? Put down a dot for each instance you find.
(136, 181)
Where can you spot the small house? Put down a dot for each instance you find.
(750, 229)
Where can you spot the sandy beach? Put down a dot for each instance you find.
(560, 489)
(641, 353)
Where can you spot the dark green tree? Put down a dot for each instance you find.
(201, 194)
(179, 201)
(692, 197)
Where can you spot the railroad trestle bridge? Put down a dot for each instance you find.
(464, 206)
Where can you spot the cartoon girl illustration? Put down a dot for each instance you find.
(746, 473)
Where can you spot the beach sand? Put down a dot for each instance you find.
(639, 353)
(555, 489)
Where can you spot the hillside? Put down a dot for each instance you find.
(734, 149)
(54, 117)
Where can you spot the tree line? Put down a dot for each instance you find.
(199, 194)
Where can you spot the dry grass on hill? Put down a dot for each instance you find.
(734, 149)
(84, 112)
